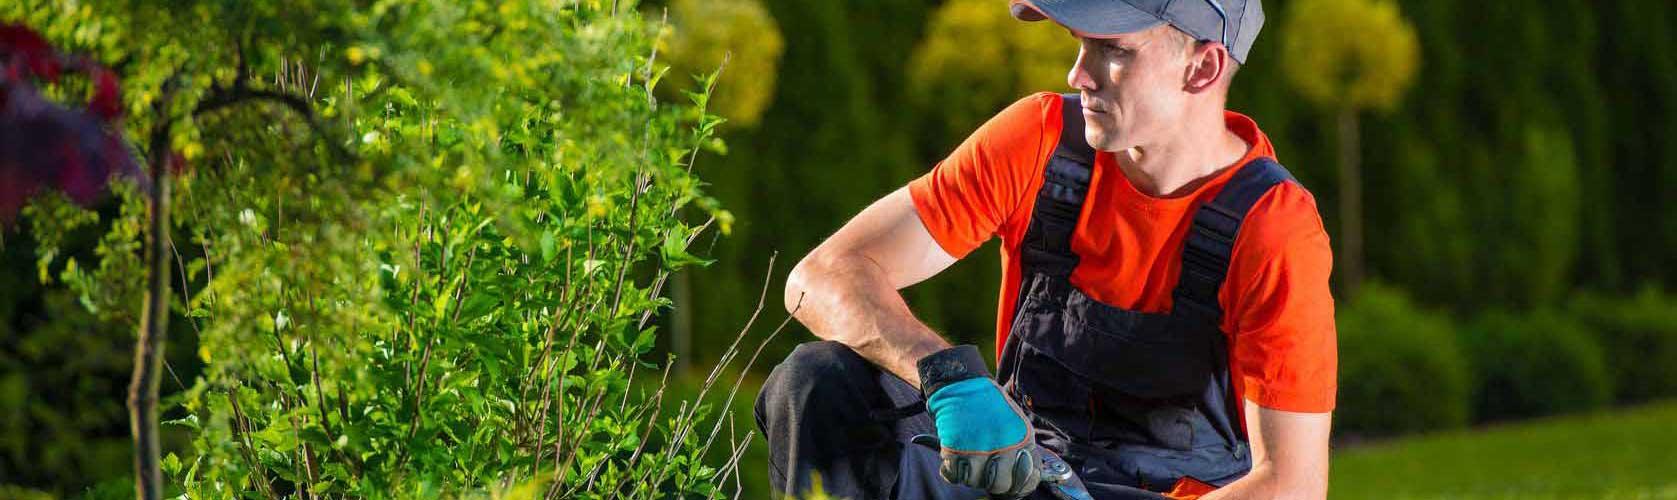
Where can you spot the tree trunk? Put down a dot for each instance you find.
(1350, 203)
(154, 321)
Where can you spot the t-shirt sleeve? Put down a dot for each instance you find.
(1285, 348)
(976, 192)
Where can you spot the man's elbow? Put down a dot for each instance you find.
(793, 296)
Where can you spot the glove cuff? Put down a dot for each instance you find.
(949, 366)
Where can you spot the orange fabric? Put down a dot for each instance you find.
(1278, 312)
(1188, 488)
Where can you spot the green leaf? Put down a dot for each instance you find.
(645, 340)
(314, 435)
(549, 246)
(189, 421)
(619, 332)
(171, 464)
(481, 303)
(279, 436)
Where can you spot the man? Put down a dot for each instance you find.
(1165, 324)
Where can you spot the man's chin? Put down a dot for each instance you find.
(1102, 141)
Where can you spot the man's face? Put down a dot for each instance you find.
(1133, 87)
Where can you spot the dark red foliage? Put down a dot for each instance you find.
(45, 145)
(107, 101)
(25, 50)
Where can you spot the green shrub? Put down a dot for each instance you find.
(1535, 363)
(1400, 369)
(21, 493)
(1639, 337)
(432, 274)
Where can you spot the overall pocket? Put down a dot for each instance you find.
(1107, 374)
(1145, 355)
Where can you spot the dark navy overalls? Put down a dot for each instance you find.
(1129, 397)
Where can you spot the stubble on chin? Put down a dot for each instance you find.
(1100, 137)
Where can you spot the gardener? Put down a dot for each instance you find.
(1165, 323)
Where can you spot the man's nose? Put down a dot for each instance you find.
(1079, 78)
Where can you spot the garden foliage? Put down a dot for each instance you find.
(1536, 363)
(1639, 338)
(1395, 354)
(421, 242)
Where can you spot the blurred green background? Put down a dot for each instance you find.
(1514, 335)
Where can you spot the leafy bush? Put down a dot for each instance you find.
(422, 242)
(1400, 369)
(1639, 337)
(1536, 363)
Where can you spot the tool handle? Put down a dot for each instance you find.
(1053, 468)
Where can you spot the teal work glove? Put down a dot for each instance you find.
(986, 440)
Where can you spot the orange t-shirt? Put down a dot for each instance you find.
(1278, 313)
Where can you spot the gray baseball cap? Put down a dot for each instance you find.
(1235, 23)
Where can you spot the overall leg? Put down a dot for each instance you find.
(828, 412)
(814, 411)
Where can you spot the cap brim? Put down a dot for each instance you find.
(1093, 18)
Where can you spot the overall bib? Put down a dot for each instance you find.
(1128, 397)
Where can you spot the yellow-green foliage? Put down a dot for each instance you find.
(1358, 53)
(705, 32)
(976, 58)
(427, 271)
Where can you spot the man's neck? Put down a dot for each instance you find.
(1189, 156)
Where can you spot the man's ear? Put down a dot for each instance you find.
(1207, 63)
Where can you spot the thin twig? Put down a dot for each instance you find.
(733, 349)
(651, 421)
(242, 430)
(727, 403)
(583, 431)
(731, 467)
(684, 418)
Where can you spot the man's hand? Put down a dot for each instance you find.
(987, 441)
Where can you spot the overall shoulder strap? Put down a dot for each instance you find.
(1047, 244)
(1210, 242)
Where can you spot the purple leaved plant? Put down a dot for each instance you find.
(45, 145)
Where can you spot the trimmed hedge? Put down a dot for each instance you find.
(1638, 335)
(1400, 369)
(1535, 363)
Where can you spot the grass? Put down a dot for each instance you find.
(1622, 453)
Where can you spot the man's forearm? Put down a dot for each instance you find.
(1259, 483)
(1266, 481)
(849, 300)
(1289, 456)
